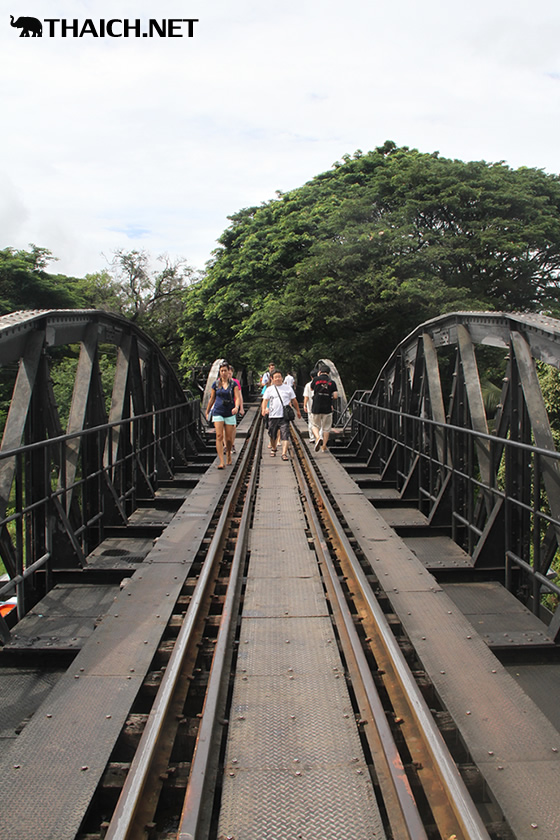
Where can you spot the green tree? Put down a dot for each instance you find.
(152, 299)
(26, 284)
(349, 263)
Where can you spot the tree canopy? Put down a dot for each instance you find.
(152, 299)
(346, 265)
(26, 284)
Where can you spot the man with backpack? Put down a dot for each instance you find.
(324, 392)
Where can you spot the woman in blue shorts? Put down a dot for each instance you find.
(224, 404)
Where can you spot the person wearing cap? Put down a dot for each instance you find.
(324, 393)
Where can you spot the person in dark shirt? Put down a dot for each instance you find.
(223, 406)
(324, 392)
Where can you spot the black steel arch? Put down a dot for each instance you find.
(59, 488)
(494, 481)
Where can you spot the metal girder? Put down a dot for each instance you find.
(98, 470)
(80, 397)
(17, 414)
(496, 486)
(474, 395)
(437, 408)
(539, 421)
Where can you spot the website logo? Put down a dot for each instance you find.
(30, 26)
(111, 28)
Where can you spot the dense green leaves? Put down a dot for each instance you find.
(349, 263)
(25, 283)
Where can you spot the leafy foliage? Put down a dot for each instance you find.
(152, 299)
(346, 265)
(25, 283)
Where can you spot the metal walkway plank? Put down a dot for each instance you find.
(515, 745)
(294, 762)
(60, 756)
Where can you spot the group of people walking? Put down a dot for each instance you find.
(279, 405)
(318, 399)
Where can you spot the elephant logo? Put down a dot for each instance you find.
(29, 26)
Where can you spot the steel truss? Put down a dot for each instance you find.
(60, 489)
(424, 427)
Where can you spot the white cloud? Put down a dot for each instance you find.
(146, 142)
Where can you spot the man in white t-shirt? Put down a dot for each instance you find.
(274, 399)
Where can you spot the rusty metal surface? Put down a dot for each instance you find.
(78, 723)
(285, 777)
(487, 705)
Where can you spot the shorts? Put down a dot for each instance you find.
(229, 421)
(322, 421)
(276, 424)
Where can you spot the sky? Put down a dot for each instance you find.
(150, 143)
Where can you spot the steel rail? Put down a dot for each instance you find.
(198, 794)
(407, 824)
(124, 817)
(468, 819)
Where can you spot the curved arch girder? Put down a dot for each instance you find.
(128, 423)
(493, 480)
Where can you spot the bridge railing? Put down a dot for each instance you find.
(495, 495)
(68, 489)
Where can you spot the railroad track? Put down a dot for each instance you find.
(171, 767)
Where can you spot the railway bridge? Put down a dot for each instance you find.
(362, 643)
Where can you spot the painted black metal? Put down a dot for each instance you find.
(60, 492)
(498, 491)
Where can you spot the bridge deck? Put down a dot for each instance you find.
(510, 739)
(294, 762)
(62, 752)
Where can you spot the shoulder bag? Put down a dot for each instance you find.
(287, 410)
